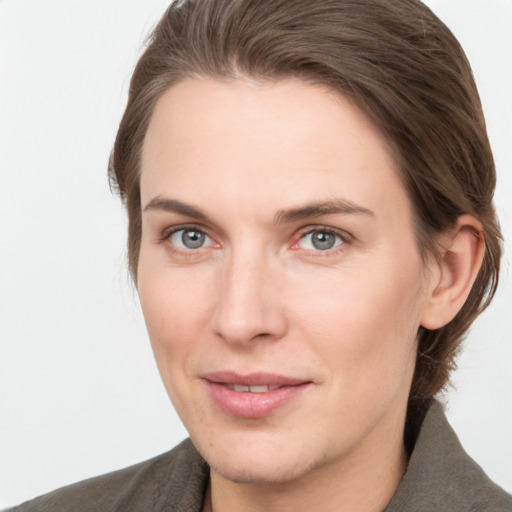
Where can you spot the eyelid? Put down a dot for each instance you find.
(170, 230)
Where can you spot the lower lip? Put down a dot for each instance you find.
(253, 405)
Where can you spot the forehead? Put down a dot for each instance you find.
(271, 143)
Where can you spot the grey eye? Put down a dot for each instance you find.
(320, 240)
(190, 239)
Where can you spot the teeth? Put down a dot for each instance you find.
(258, 389)
(250, 389)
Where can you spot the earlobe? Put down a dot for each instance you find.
(456, 269)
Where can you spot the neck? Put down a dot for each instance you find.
(364, 480)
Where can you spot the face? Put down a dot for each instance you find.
(279, 276)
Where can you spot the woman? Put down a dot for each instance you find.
(311, 233)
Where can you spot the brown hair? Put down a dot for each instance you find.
(399, 64)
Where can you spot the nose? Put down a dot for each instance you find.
(248, 306)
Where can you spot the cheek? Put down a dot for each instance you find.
(174, 312)
(365, 323)
(175, 308)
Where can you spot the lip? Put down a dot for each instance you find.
(252, 405)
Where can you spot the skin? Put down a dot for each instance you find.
(259, 296)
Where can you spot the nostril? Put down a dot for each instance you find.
(262, 335)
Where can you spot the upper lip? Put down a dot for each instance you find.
(253, 379)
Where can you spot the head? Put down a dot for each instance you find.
(394, 60)
(402, 80)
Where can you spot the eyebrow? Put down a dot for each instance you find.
(175, 206)
(308, 211)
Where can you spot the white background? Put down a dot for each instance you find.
(79, 391)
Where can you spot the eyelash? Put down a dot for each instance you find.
(343, 236)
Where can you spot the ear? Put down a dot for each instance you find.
(454, 272)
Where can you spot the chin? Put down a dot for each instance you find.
(261, 463)
(273, 472)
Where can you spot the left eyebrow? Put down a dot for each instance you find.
(318, 209)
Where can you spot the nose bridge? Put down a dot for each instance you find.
(248, 305)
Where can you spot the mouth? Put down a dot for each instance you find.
(255, 395)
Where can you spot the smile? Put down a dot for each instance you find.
(253, 396)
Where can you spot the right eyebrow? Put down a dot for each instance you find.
(175, 206)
